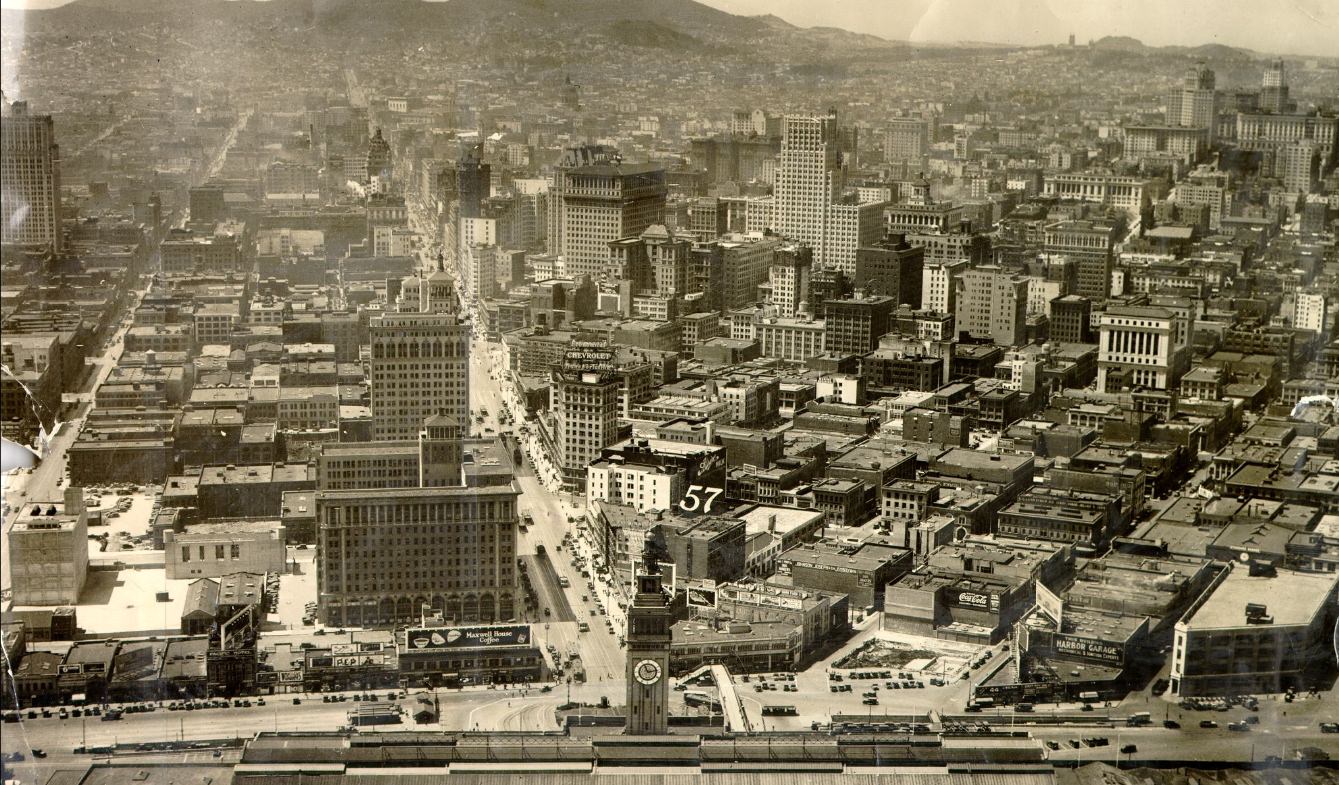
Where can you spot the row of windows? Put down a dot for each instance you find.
(234, 552)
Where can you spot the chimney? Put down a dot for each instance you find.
(771, 523)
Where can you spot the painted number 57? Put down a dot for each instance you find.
(692, 501)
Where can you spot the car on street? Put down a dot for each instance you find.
(1208, 724)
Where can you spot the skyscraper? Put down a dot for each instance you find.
(906, 140)
(378, 157)
(385, 553)
(597, 199)
(420, 366)
(1274, 89)
(808, 178)
(891, 267)
(585, 409)
(992, 304)
(473, 183)
(1195, 103)
(789, 277)
(30, 179)
(807, 202)
(1300, 166)
(855, 324)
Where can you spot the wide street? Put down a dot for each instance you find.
(599, 649)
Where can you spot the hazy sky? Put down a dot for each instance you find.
(1300, 27)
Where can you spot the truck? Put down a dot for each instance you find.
(1139, 718)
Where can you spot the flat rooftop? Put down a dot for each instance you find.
(1292, 598)
(778, 520)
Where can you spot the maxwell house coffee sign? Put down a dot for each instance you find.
(429, 638)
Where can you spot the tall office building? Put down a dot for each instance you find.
(1309, 310)
(378, 157)
(585, 393)
(807, 202)
(992, 304)
(420, 366)
(29, 179)
(740, 159)
(473, 183)
(391, 555)
(906, 140)
(1300, 166)
(939, 285)
(1195, 103)
(1274, 89)
(595, 200)
(667, 253)
(207, 205)
(789, 276)
(1090, 246)
(891, 267)
(853, 325)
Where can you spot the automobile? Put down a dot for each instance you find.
(297, 701)
(870, 701)
(1129, 749)
(1329, 727)
(1055, 745)
(1075, 743)
(1160, 686)
(1239, 727)
(1171, 724)
(1208, 724)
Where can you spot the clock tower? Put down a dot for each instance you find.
(648, 639)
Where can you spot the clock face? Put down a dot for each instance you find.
(647, 672)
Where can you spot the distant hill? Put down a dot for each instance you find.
(1119, 43)
(682, 24)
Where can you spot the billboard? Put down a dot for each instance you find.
(430, 638)
(1049, 603)
(1088, 649)
(712, 463)
(374, 659)
(701, 597)
(975, 600)
(355, 648)
(586, 356)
